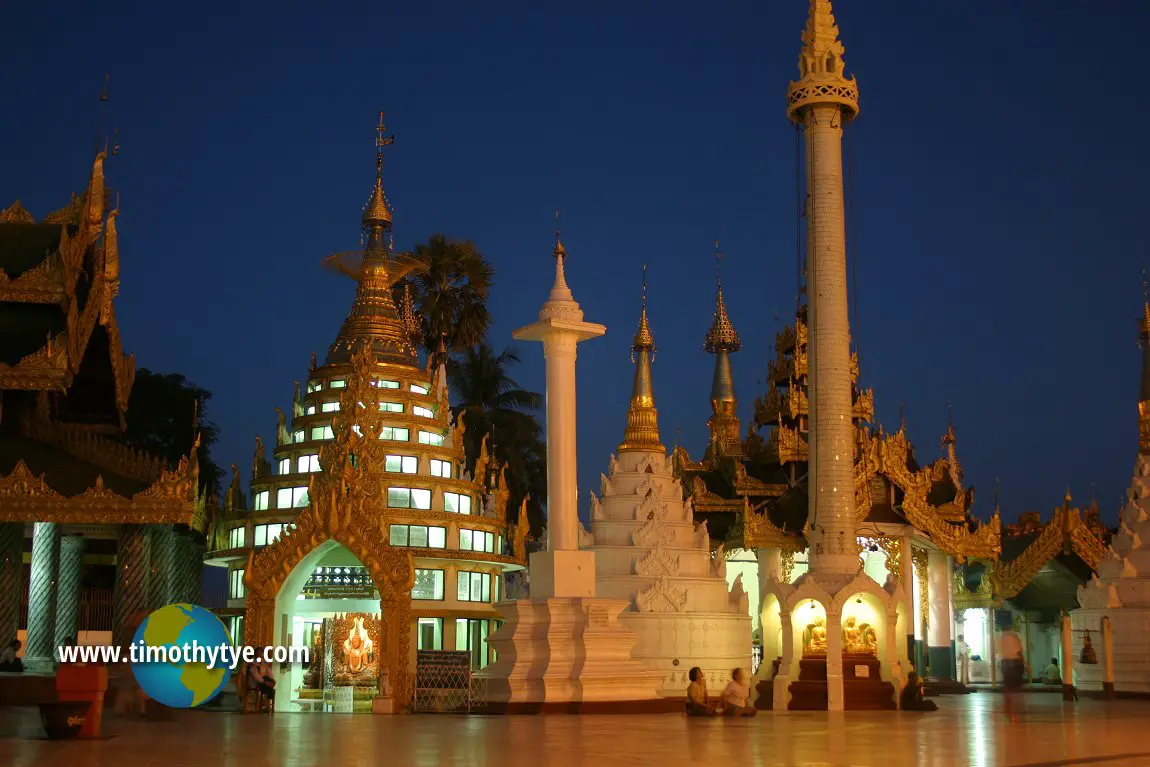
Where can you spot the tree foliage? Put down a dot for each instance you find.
(450, 294)
(165, 411)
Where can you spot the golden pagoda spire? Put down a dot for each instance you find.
(375, 321)
(722, 340)
(642, 432)
(94, 209)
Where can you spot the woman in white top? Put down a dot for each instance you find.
(737, 696)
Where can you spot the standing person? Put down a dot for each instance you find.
(737, 696)
(1013, 668)
(697, 702)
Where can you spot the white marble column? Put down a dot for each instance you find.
(562, 570)
(938, 639)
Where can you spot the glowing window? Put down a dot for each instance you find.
(456, 503)
(406, 464)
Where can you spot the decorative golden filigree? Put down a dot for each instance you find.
(760, 533)
(786, 565)
(16, 214)
(1065, 532)
(920, 560)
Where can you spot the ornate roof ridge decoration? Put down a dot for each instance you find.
(16, 214)
(1066, 532)
(179, 484)
(889, 455)
(760, 533)
(26, 497)
(55, 280)
(42, 284)
(982, 596)
(95, 449)
(70, 214)
(681, 463)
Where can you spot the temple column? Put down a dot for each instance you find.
(1068, 692)
(40, 651)
(991, 646)
(11, 578)
(68, 587)
(906, 577)
(938, 639)
(160, 552)
(183, 579)
(130, 595)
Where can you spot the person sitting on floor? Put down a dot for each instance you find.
(697, 703)
(8, 657)
(260, 678)
(737, 696)
(1051, 674)
(912, 698)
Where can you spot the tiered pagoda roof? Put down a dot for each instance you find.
(757, 496)
(65, 379)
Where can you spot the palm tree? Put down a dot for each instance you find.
(450, 293)
(495, 408)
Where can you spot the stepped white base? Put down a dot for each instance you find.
(566, 650)
(1131, 630)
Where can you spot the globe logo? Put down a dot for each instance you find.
(186, 683)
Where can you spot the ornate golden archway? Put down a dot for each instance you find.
(343, 508)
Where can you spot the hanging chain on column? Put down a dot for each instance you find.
(130, 598)
(42, 595)
(11, 578)
(68, 587)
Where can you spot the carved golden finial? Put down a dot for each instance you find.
(1068, 499)
(643, 338)
(377, 212)
(822, 76)
(94, 199)
(722, 335)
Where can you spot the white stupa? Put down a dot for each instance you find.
(1121, 591)
(649, 551)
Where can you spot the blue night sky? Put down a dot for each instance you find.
(998, 217)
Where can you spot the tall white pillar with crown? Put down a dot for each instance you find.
(821, 102)
(564, 649)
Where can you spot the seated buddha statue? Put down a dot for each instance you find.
(815, 641)
(358, 649)
(859, 638)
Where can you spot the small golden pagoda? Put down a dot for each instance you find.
(365, 531)
(65, 480)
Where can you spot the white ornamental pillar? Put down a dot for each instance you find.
(560, 571)
(938, 639)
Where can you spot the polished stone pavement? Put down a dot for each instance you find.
(967, 730)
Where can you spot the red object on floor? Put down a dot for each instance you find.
(84, 682)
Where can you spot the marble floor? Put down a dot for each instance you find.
(967, 730)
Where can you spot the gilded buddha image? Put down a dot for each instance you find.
(859, 638)
(358, 649)
(815, 638)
